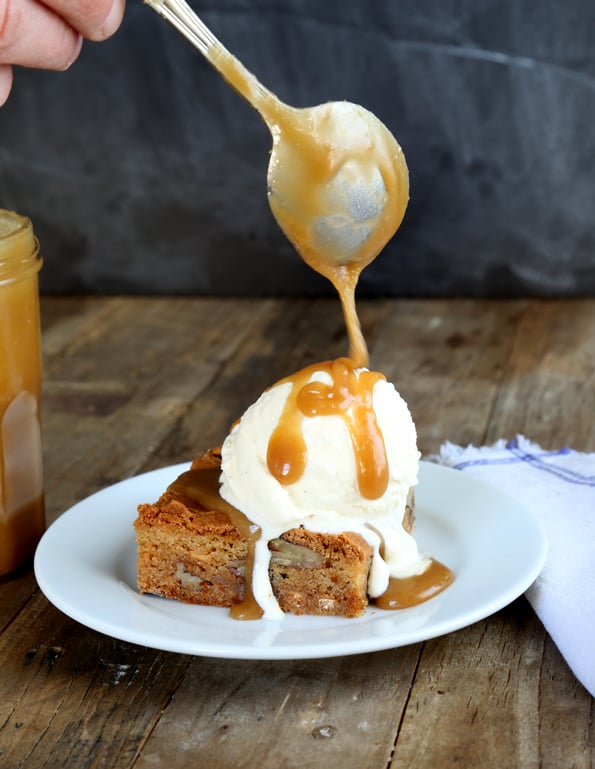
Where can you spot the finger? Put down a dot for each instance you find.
(94, 19)
(32, 35)
(5, 82)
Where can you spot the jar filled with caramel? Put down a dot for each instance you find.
(22, 518)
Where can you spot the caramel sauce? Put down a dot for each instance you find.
(347, 397)
(202, 486)
(404, 592)
(20, 534)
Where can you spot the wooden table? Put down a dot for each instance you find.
(134, 384)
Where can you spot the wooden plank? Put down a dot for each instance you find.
(550, 384)
(15, 591)
(291, 714)
(566, 727)
(74, 698)
(288, 337)
(447, 359)
(115, 386)
(496, 694)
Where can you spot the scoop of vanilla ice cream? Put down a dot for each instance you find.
(328, 488)
(327, 497)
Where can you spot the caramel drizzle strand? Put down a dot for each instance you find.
(347, 397)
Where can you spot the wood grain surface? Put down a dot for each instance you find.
(135, 384)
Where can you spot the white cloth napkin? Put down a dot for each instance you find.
(559, 488)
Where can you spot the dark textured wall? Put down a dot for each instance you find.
(144, 172)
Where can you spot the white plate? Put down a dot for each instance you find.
(86, 566)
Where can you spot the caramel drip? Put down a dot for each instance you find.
(202, 486)
(403, 593)
(347, 397)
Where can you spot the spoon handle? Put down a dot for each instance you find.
(179, 14)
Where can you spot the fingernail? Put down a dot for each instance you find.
(5, 82)
(75, 53)
(114, 19)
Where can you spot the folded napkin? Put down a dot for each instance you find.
(558, 487)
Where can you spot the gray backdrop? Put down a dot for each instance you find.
(144, 172)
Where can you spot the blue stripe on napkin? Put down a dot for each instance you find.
(536, 460)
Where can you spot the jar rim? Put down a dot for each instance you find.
(12, 223)
(19, 248)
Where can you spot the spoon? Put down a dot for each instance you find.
(337, 180)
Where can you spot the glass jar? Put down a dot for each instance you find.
(22, 517)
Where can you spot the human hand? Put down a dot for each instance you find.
(49, 34)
